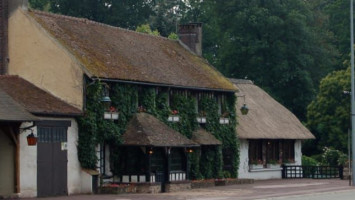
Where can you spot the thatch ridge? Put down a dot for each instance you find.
(267, 118)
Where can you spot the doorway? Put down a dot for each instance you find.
(52, 158)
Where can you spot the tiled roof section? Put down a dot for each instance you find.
(146, 130)
(33, 99)
(267, 118)
(115, 53)
(12, 111)
(203, 137)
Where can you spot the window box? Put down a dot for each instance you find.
(111, 115)
(256, 166)
(201, 120)
(223, 120)
(173, 118)
(272, 166)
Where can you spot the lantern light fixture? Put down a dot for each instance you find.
(31, 139)
(244, 109)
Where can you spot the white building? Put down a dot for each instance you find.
(51, 166)
(270, 135)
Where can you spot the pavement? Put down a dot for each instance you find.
(267, 189)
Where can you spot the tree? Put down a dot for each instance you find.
(274, 43)
(145, 28)
(338, 12)
(328, 115)
(122, 13)
(39, 4)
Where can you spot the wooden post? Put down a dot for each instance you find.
(13, 130)
(167, 165)
(149, 164)
(187, 162)
(17, 165)
(264, 146)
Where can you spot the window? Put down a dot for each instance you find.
(288, 151)
(177, 160)
(271, 151)
(255, 152)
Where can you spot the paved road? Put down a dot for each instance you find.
(270, 189)
(341, 195)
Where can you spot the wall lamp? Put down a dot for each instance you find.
(244, 109)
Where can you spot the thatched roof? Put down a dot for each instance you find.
(33, 99)
(146, 130)
(267, 119)
(109, 52)
(12, 111)
(202, 137)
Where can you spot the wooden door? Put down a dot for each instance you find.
(7, 165)
(52, 161)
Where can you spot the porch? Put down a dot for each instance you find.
(153, 153)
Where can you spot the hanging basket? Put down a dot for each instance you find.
(31, 140)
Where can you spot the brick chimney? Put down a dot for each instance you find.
(4, 13)
(191, 35)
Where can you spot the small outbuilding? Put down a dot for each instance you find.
(270, 135)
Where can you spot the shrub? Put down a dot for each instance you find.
(333, 157)
(308, 161)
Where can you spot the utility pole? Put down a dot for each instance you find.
(352, 88)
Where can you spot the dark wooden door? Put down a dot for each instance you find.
(52, 161)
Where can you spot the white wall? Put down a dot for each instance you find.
(28, 163)
(266, 173)
(298, 152)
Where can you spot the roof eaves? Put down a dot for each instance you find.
(163, 85)
(57, 114)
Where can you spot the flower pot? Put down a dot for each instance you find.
(223, 120)
(173, 118)
(201, 120)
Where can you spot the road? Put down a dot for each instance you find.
(270, 189)
(341, 195)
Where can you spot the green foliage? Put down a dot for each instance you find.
(277, 44)
(93, 129)
(145, 28)
(328, 115)
(125, 14)
(225, 133)
(173, 36)
(333, 157)
(308, 161)
(338, 12)
(195, 172)
(39, 4)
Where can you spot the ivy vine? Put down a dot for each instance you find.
(206, 162)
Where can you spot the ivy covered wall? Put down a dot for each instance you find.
(206, 162)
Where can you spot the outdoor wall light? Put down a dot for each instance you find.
(244, 109)
(190, 150)
(150, 152)
(31, 139)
